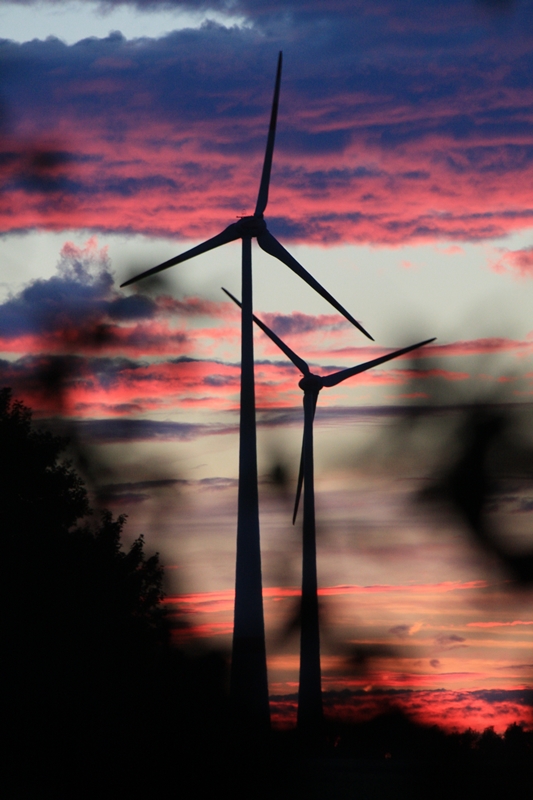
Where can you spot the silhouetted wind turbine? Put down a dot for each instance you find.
(310, 690)
(249, 687)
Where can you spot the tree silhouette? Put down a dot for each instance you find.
(57, 550)
(85, 637)
(36, 490)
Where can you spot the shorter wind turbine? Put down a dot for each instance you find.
(310, 713)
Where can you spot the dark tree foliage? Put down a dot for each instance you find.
(67, 566)
(94, 698)
(38, 494)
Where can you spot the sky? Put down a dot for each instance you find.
(402, 180)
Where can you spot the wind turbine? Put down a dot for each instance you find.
(248, 685)
(310, 713)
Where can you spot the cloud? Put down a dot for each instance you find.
(127, 430)
(79, 310)
(400, 630)
(378, 141)
(277, 592)
(408, 16)
(450, 641)
(298, 323)
(518, 262)
(450, 710)
(497, 624)
(91, 350)
(471, 347)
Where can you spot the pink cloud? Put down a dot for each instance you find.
(222, 601)
(453, 250)
(416, 588)
(451, 710)
(517, 262)
(448, 709)
(163, 177)
(166, 136)
(181, 635)
(360, 209)
(470, 347)
(499, 624)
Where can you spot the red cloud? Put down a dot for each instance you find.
(451, 710)
(148, 190)
(432, 155)
(499, 624)
(518, 262)
(222, 601)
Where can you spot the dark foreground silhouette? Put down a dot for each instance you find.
(97, 702)
(94, 698)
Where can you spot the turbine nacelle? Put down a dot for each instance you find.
(311, 383)
(251, 227)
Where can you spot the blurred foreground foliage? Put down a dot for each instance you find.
(97, 701)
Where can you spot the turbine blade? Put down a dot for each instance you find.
(302, 459)
(270, 245)
(300, 483)
(338, 377)
(229, 234)
(296, 360)
(262, 197)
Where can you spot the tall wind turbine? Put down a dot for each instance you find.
(249, 686)
(310, 713)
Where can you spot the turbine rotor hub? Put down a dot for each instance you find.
(311, 383)
(252, 226)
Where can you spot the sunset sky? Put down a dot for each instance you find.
(403, 181)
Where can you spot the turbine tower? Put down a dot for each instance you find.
(249, 686)
(310, 715)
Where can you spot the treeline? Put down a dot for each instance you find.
(95, 700)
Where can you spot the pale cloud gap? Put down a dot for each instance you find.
(74, 345)
(415, 14)
(83, 348)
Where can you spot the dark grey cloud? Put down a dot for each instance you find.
(421, 16)
(451, 640)
(80, 294)
(129, 430)
(400, 630)
(286, 324)
(188, 74)
(135, 492)
(80, 309)
(520, 696)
